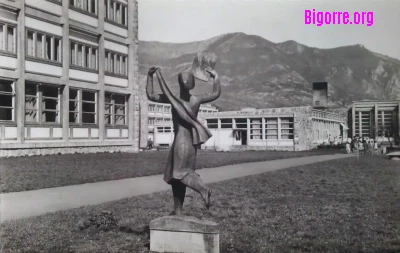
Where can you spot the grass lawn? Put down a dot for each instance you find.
(39, 172)
(345, 205)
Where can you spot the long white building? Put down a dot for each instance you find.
(68, 76)
(159, 122)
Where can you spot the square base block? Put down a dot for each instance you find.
(183, 234)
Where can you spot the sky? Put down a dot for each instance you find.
(275, 20)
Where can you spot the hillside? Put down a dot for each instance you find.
(259, 73)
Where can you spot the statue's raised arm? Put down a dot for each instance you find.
(209, 97)
(159, 98)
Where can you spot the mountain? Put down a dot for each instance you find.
(258, 73)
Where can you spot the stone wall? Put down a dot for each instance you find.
(67, 150)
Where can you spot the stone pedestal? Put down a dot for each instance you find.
(394, 155)
(184, 234)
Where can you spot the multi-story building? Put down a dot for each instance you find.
(159, 122)
(379, 120)
(68, 76)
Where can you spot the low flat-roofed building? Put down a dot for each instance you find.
(288, 128)
(159, 127)
(377, 120)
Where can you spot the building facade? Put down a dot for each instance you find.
(68, 76)
(159, 123)
(379, 120)
(289, 128)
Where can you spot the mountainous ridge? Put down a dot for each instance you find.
(260, 73)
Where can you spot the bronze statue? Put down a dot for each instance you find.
(189, 134)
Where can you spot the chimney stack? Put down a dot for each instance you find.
(320, 95)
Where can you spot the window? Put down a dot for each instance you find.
(116, 63)
(167, 120)
(159, 108)
(287, 128)
(255, 129)
(116, 109)
(84, 56)
(150, 121)
(164, 129)
(43, 46)
(89, 6)
(82, 106)
(271, 129)
(241, 123)
(42, 103)
(116, 12)
(159, 120)
(212, 123)
(7, 100)
(226, 123)
(151, 108)
(8, 38)
(167, 109)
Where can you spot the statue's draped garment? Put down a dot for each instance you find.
(191, 133)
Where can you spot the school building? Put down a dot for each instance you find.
(378, 120)
(68, 76)
(288, 128)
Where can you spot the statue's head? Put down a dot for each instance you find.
(189, 84)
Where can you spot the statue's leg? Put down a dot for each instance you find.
(179, 192)
(194, 182)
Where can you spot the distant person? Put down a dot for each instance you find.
(348, 148)
(149, 144)
(365, 146)
(360, 146)
(371, 146)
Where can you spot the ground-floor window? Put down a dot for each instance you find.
(271, 129)
(212, 123)
(116, 109)
(164, 129)
(42, 103)
(226, 123)
(255, 129)
(241, 123)
(82, 106)
(7, 100)
(287, 128)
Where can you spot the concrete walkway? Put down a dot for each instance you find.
(32, 203)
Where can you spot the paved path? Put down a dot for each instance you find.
(32, 203)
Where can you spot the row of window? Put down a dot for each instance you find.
(256, 126)
(152, 121)
(43, 105)
(115, 11)
(48, 47)
(164, 129)
(206, 111)
(84, 56)
(159, 108)
(8, 38)
(167, 109)
(116, 63)
(85, 5)
(43, 46)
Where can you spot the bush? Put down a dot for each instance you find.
(104, 221)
